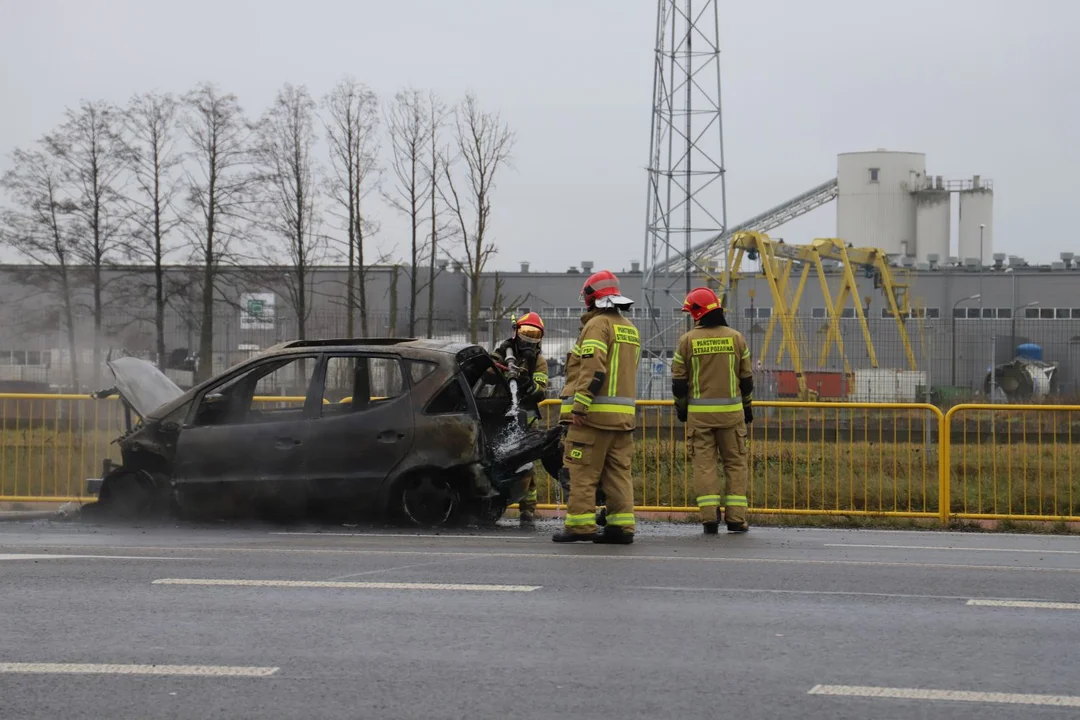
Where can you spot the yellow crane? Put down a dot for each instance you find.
(779, 259)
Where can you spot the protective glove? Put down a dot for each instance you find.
(526, 386)
(681, 409)
(748, 414)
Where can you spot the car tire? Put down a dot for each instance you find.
(429, 499)
(128, 495)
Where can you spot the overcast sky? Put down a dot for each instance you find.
(981, 86)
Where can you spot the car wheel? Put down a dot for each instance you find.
(128, 496)
(429, 500)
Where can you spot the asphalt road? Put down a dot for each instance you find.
(268, 623)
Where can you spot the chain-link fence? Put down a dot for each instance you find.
(942, 360)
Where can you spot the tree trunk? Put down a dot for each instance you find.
(361, 276)
(159, 274)
(350, 278)
(474, 307)
(393, 301)
(434, 248)
(206, 327)
(69, 318)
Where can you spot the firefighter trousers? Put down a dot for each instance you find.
(527, 504)
(707, 445)
(599, 459)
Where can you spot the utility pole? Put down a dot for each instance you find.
(686, 196)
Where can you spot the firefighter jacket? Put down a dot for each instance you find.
(534, 365)
(710, 366)
(601, 372)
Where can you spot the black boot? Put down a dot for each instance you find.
(565, 536)
(601, 517)
(614, 536)
(738, 527)
(711, 528)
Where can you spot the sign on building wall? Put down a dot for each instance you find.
(257, 311)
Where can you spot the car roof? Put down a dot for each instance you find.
(372, 344)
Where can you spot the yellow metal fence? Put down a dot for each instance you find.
(850, 459)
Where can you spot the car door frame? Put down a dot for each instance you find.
(359, 428)
(256, 448)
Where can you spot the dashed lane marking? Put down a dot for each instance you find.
(1034, 604)
(423, 536)
(955, 549)
(54, 556)
(860, 691)
(108, 669)
(347, 585)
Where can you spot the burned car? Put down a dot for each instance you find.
(421, 430)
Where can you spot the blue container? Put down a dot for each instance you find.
(1031, 351)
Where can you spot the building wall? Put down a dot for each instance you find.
(31, 327)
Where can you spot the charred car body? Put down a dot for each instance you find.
(418, 429)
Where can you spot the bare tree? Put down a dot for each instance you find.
(351, 131)
(39, 227)
(437, 113)
(219, 195)
(94, 158)
(154, 157)
(286, 136)
(409, 125)
(483, 144)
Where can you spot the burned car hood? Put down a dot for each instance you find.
(142, 385)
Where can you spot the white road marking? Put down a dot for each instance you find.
(107, 669)
(722, 590)
(585, 554)
(860, 691)
(1036, 604)
(347, 585)
(54, 556)
(409, 535)
(956, 549)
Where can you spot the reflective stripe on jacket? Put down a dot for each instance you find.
(712, 360)
(601, 374)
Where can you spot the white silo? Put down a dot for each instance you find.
(977, 221)
(933, 221)
(875, 205)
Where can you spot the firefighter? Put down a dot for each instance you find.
(599, 408)
(713, 384)
(522, 360)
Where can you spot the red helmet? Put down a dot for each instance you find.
(600, 284)
(529, 327)
(700, 302)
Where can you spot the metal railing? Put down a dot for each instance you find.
(975, 462)
(1013, 462)
(852, 459)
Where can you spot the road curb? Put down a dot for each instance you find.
(25, 515)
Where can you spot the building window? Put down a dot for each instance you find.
(1004, 313)
(748, 313)
(848, 313)
(1046, 313)
(1063, 313)
(1031, 313)
(959, 312)
(933, 313)
(676, 312)
(988, 313)
(974, 313)
(818, 313)
(524, 310)
(874, 172)
(886, 314)
(1076, 313)
(764, 313)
